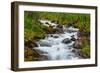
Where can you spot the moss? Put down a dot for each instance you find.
(85, 52)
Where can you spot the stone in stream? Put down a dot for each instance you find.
(44, 43)
(74, 51)
(78, 44)
(73, 38)
(59, 29)
(44, 57)
(31, 44)
(66, 41)
(53, 21)
(59, 26)
(51, 35)
(40, 51)
(69, 48)
(47, 23)
(50, 30)
(55, 36)
(68, 25)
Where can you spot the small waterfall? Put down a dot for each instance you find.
(59, 46)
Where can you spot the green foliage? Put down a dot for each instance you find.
(85, 51)
(32, 27)
(36, 28)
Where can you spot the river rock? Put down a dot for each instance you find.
(31, 44)
(73, 38)
(47, 23)
(50, 30)
(59, 30)
(53, 21)
(59, 26)
(51, 35)
(69, 25)
(40, 51)
(78, 44)
(66, 41)
(55, 36)
(44, 57)
(74, 50)
(44, 43)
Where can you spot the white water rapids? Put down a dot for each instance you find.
(54, 47)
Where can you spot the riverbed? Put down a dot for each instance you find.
(58, 46)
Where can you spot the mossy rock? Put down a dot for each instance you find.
(30, 44)
(30, 55)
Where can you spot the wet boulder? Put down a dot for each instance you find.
(74, 50)
(50, 30)
(51, 35)
(53, 21)
(55, 36)
(73, 38)
(66, 41)
(44, 57)
(78, 44)
(59, 29)
(47, 23)
(40, 51)
(59, 26)
(68, 25)
(44, 43)
(31, 44)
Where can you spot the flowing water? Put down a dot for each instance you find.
(54, 47)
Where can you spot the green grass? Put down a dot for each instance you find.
(34, 27)
(85, 51)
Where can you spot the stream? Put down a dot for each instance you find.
(58, 46)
